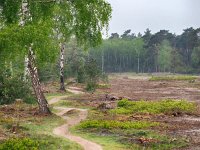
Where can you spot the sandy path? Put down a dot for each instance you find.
(72, 121)
(73, 90)
(56, 99)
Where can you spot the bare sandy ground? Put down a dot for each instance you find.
(142, 88)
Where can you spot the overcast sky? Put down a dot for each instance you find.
(137, 15)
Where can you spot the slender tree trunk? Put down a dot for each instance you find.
(42, 102)
(26, 70)
(62, 82)
(102, 60)
(32, 69)
(138, 64)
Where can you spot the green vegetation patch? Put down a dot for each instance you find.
(151, 140)
(41, 129)
(50, 96)
(35, 133)
(103, 86)
(108, 142)
(113, 133)
(71, 103)
(12, 88)
(131, 139)
(154, 107)
(42, 125)
(19, 144)
(172, 78)
(111, 124)
(38, 142)
(50, 142)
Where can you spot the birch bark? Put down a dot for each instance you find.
(62, 82)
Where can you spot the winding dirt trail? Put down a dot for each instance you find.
(72, 121)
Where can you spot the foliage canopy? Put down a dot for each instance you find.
(83, 19)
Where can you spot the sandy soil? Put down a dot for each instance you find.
(72, 121)
(75, 90)
(142, 88)
(56, 99)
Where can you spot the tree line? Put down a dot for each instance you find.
(159, 52)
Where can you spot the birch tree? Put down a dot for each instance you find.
(83, 19)
(165, 56)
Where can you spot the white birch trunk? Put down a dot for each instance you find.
(30, 66)
(42, 102)
(62, 82)
(138, 64)
(26, 71)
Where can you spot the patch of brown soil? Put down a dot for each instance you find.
(12, 111)
(72, 113)
(140, 88)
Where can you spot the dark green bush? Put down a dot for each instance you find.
(12, 88)
(81, 75)
(91, 86)
(92, 74)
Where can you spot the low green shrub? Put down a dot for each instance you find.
(12, 88)
(111, 124)
(154, 107)
(171, 78)
(91, 86)
(81, 76)
(103, 86)
(154, 140)
(92, 74)
(19, 144)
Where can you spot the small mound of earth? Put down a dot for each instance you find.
(106, 105)
(72, 112)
